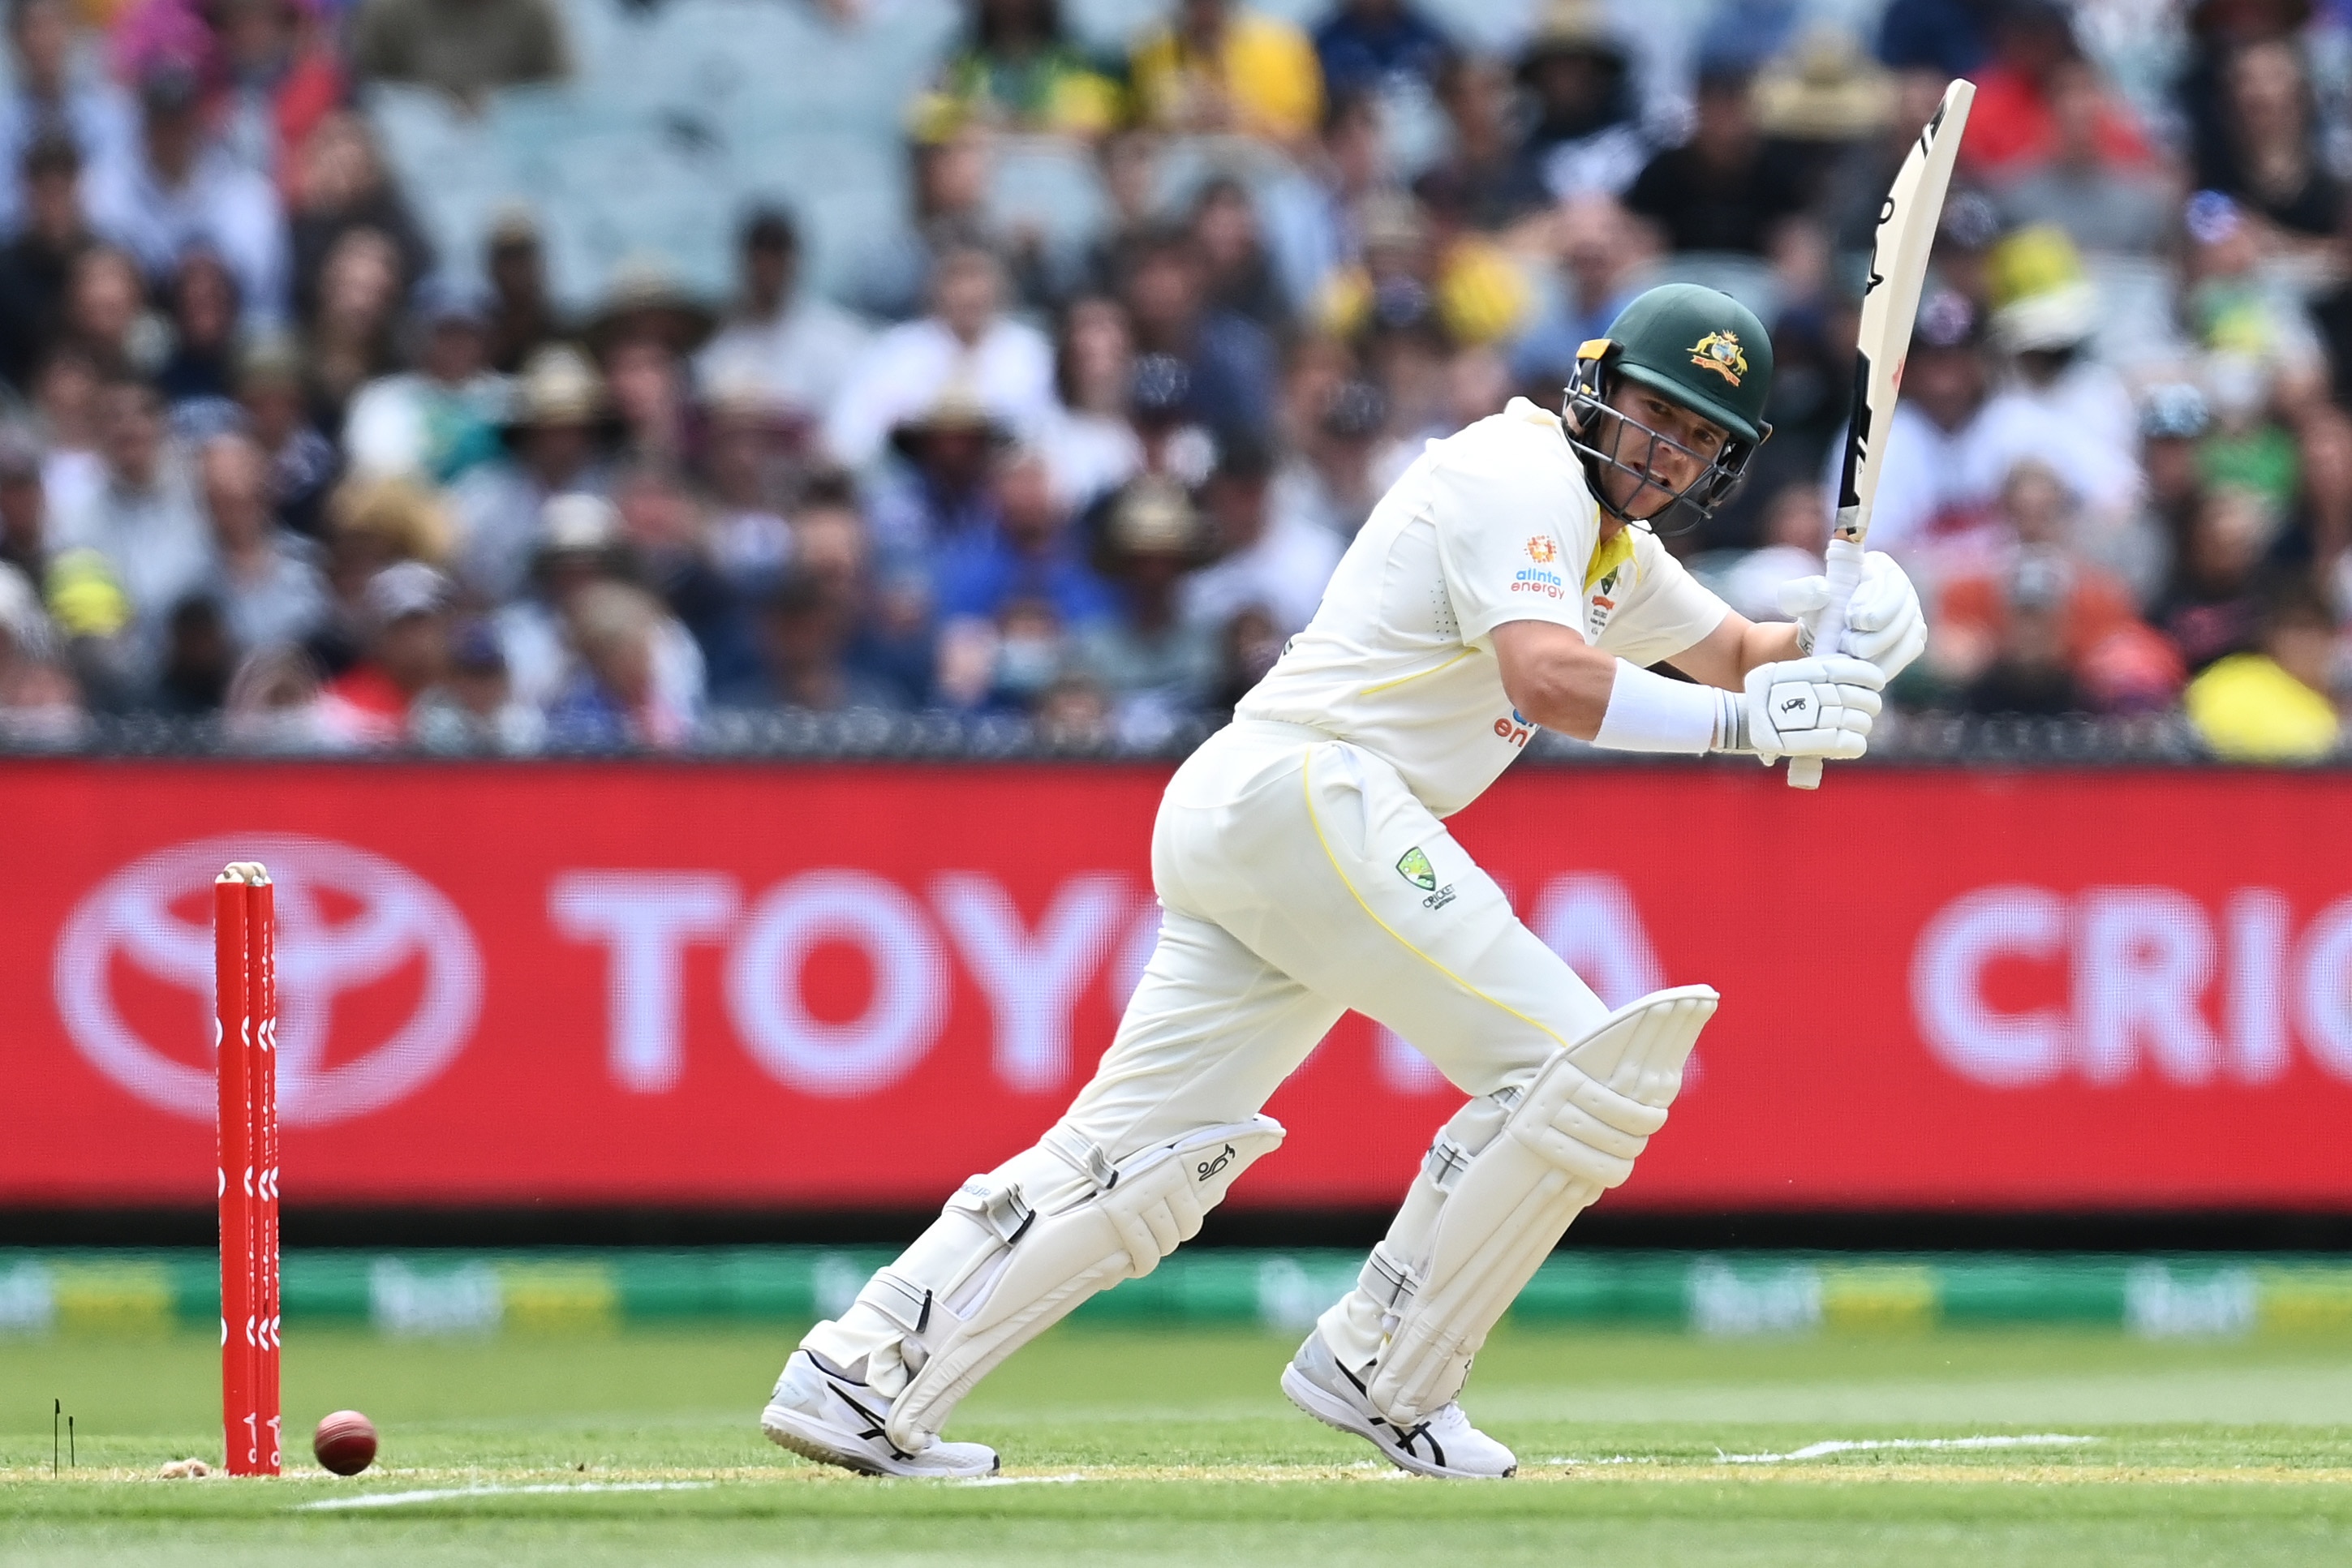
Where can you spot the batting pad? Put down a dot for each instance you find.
(1129, 1219)
(1573, 1135)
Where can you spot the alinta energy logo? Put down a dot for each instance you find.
(347, 919)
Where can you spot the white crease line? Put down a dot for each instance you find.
(442, 1494)
(1024, 1480)
(1819, 1450)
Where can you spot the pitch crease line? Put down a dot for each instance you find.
(1849, 1446)
(445, 1494)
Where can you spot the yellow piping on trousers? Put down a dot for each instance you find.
(1307, 788)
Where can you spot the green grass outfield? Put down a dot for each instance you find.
(1175, 1447)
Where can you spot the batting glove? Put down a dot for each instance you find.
(1808, 708)
(1884, 622)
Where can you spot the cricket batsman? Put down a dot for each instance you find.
(1512, 579)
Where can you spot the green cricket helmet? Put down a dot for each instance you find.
(1702, 349)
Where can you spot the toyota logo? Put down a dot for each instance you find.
(346, 919)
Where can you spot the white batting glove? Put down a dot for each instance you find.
(1884, 622)
(1808, 708)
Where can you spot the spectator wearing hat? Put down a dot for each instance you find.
(966, 341)
(613, 695)
(266, 581)
(805, 631)
(37, 262)
(464, 47)
(1229, 362)
(1155, 665)
(791, 345)
(942, 493)
(475, 711)
(1587, 132)
(2061, 403)
(2107, 205)
(1275, 559)
(523, 317)
(143, 520)
(337, 183)
(179, 190)
(373, 524)
(746, 448)
(2278, 703)
(49, 101)
(1725, 189)
(554, 429)
(1216, 67)
(442, 418)
(580, 545)
(405, 654)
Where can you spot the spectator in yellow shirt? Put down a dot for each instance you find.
(2272, 705)
(1215, 67)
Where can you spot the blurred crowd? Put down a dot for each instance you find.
(266, 456)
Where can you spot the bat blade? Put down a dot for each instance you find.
(1890, 300)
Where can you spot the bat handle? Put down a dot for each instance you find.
(1843, 568)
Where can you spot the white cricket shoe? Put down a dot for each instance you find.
(829, 1416)
(1444, 1444)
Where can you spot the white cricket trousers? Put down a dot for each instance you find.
(1298, 879)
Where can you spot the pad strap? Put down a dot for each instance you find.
(1081, 1154)
(998, 1205)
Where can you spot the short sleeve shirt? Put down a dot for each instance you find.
(1491, 525)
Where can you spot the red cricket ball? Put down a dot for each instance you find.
(345, 1442)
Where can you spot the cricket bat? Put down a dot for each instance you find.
(1890, 300)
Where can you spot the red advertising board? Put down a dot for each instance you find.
(852, 986)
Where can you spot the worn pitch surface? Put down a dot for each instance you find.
(1177, 1447)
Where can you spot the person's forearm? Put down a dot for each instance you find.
(1566, 689)
(1765, 643)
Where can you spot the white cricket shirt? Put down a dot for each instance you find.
(1490, 525)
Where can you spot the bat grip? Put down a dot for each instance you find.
(1843, 566)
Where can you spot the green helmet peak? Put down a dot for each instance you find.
(1701, 348)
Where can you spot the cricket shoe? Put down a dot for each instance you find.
(1441, 1444)
(830, 1417)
